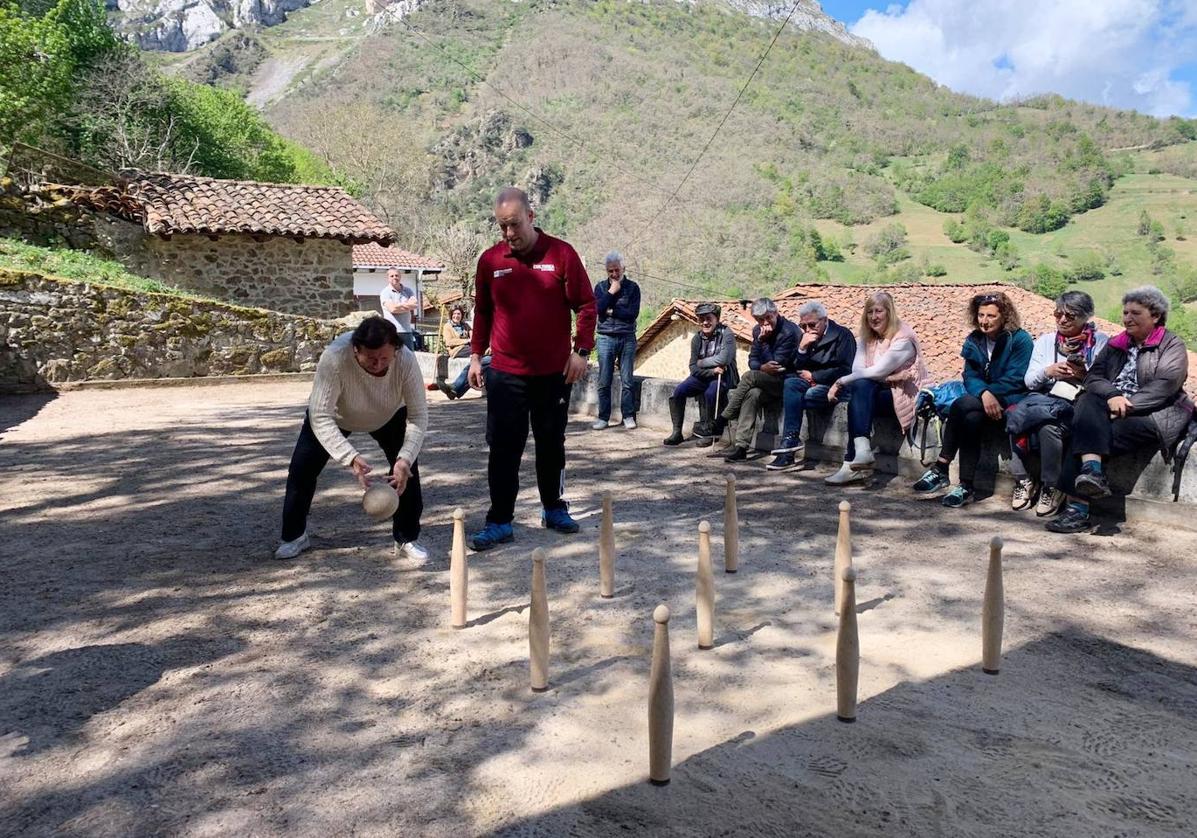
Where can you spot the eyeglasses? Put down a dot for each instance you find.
(809, 327)
(1066, 315)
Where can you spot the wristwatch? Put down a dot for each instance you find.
(585, 353)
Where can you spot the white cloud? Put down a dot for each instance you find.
(1120, 53)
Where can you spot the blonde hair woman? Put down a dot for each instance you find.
(885, 380)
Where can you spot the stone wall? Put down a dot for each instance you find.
(313, 277)
(54, 331)
(667, 355)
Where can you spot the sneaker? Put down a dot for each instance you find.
(490, 535)
(1024, 494)
(1092, 484)
(600, 425)
(1069, 521)
(559, 520)
(932, 481)
(782, 462)
(737, 455)
(291, 549)
(410, 550)
(629, 422)
(1049, 502)
(788, 444)
(705, 442)
(847, 474)
(864, 459)
(447, 389)
(958, 496)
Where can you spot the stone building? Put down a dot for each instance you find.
(282, 247)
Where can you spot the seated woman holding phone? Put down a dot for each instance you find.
(1039, 423)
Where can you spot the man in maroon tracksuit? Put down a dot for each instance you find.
(526, 289)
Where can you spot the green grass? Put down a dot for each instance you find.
(79, 266)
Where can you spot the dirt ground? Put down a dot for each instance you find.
(160, 674)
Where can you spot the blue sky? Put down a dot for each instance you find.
(1139, 54)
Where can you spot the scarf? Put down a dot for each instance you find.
(1082, 344)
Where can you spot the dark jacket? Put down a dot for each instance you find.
(1162, 369)
(624, 308)
(1003, 375)
(719, 351)
(831, 356)
(781, 346)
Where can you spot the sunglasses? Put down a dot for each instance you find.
(987, 299)
(809, 327)
(1065, 315)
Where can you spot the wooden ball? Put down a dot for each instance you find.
(380, 501)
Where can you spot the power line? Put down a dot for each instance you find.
(644, 229)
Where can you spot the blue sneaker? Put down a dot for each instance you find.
(559, 520)
(491, 535)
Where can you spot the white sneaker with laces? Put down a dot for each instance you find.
(629, 422)
(599, 425)
(1050, 501)
(291, 549)
(410, 550)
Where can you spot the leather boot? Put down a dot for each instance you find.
(677, 414)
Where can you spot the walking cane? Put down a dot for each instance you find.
(718, 393)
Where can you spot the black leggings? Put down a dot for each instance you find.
(310, 458)
(963, 433)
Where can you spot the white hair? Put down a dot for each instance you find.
(813, 307)
(614, 258)
(763, 306)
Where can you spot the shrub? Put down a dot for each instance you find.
(1087, 267)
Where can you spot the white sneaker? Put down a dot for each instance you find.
(599, 425)
(848, 473)
(291, 549)
(410, 550)
(864, 458)
(629, 422)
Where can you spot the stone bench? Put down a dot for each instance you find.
(1142, 483)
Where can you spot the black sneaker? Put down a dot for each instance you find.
(705, 442)
(781, 462)
(1070, 520)
(1092, 484)
(737, 455)
(788, 445)
(932, 481)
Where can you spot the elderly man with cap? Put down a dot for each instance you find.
(712, 373)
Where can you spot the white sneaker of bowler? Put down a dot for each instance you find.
(846, 474)
(410, 550)
(629, 422)
(291, 549)
(864, 458)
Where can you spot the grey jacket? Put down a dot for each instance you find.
(1162, 369)
(719, 351)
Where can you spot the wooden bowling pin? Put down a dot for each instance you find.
(705, 589)
(660, 702)
(458, 571)
(847, 652)
(607, 550)
(731, 530)
(993, 612)
(538, 625)
(843, 552)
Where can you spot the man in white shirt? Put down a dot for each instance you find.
(399, 304)
(365, 381)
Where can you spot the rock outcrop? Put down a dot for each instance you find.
(182, 25)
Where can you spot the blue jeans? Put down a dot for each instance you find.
(866, 400)
(610, 349)
(461, 384)
(694, 386)
(798, 396)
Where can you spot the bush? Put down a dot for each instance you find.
(1046, 281)
(1041, 215)
(1087, 267)
(956, 232)
(935, 269)
(888, 246)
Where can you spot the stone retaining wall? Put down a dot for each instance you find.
(54, 331)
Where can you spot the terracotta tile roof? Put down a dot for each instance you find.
(170, 203)
(935, 312)
(374, 256)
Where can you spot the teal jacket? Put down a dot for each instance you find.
(1004, 374)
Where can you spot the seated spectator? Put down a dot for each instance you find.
(455, 334)
(1133, 400)
(1059, 363)
(886, 377)
(996, 355)
(461, 384)
(712, 374)
(825, 352)
(770, 361)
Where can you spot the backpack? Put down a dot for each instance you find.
(1181, 456)
(930, 412)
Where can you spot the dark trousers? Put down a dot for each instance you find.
(867, 399)
(798, 395)
(613, 348)
(1050, 437)
(714, 390)
(511, 402)
(309, 459)
(1094, 432)
(963, 433)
